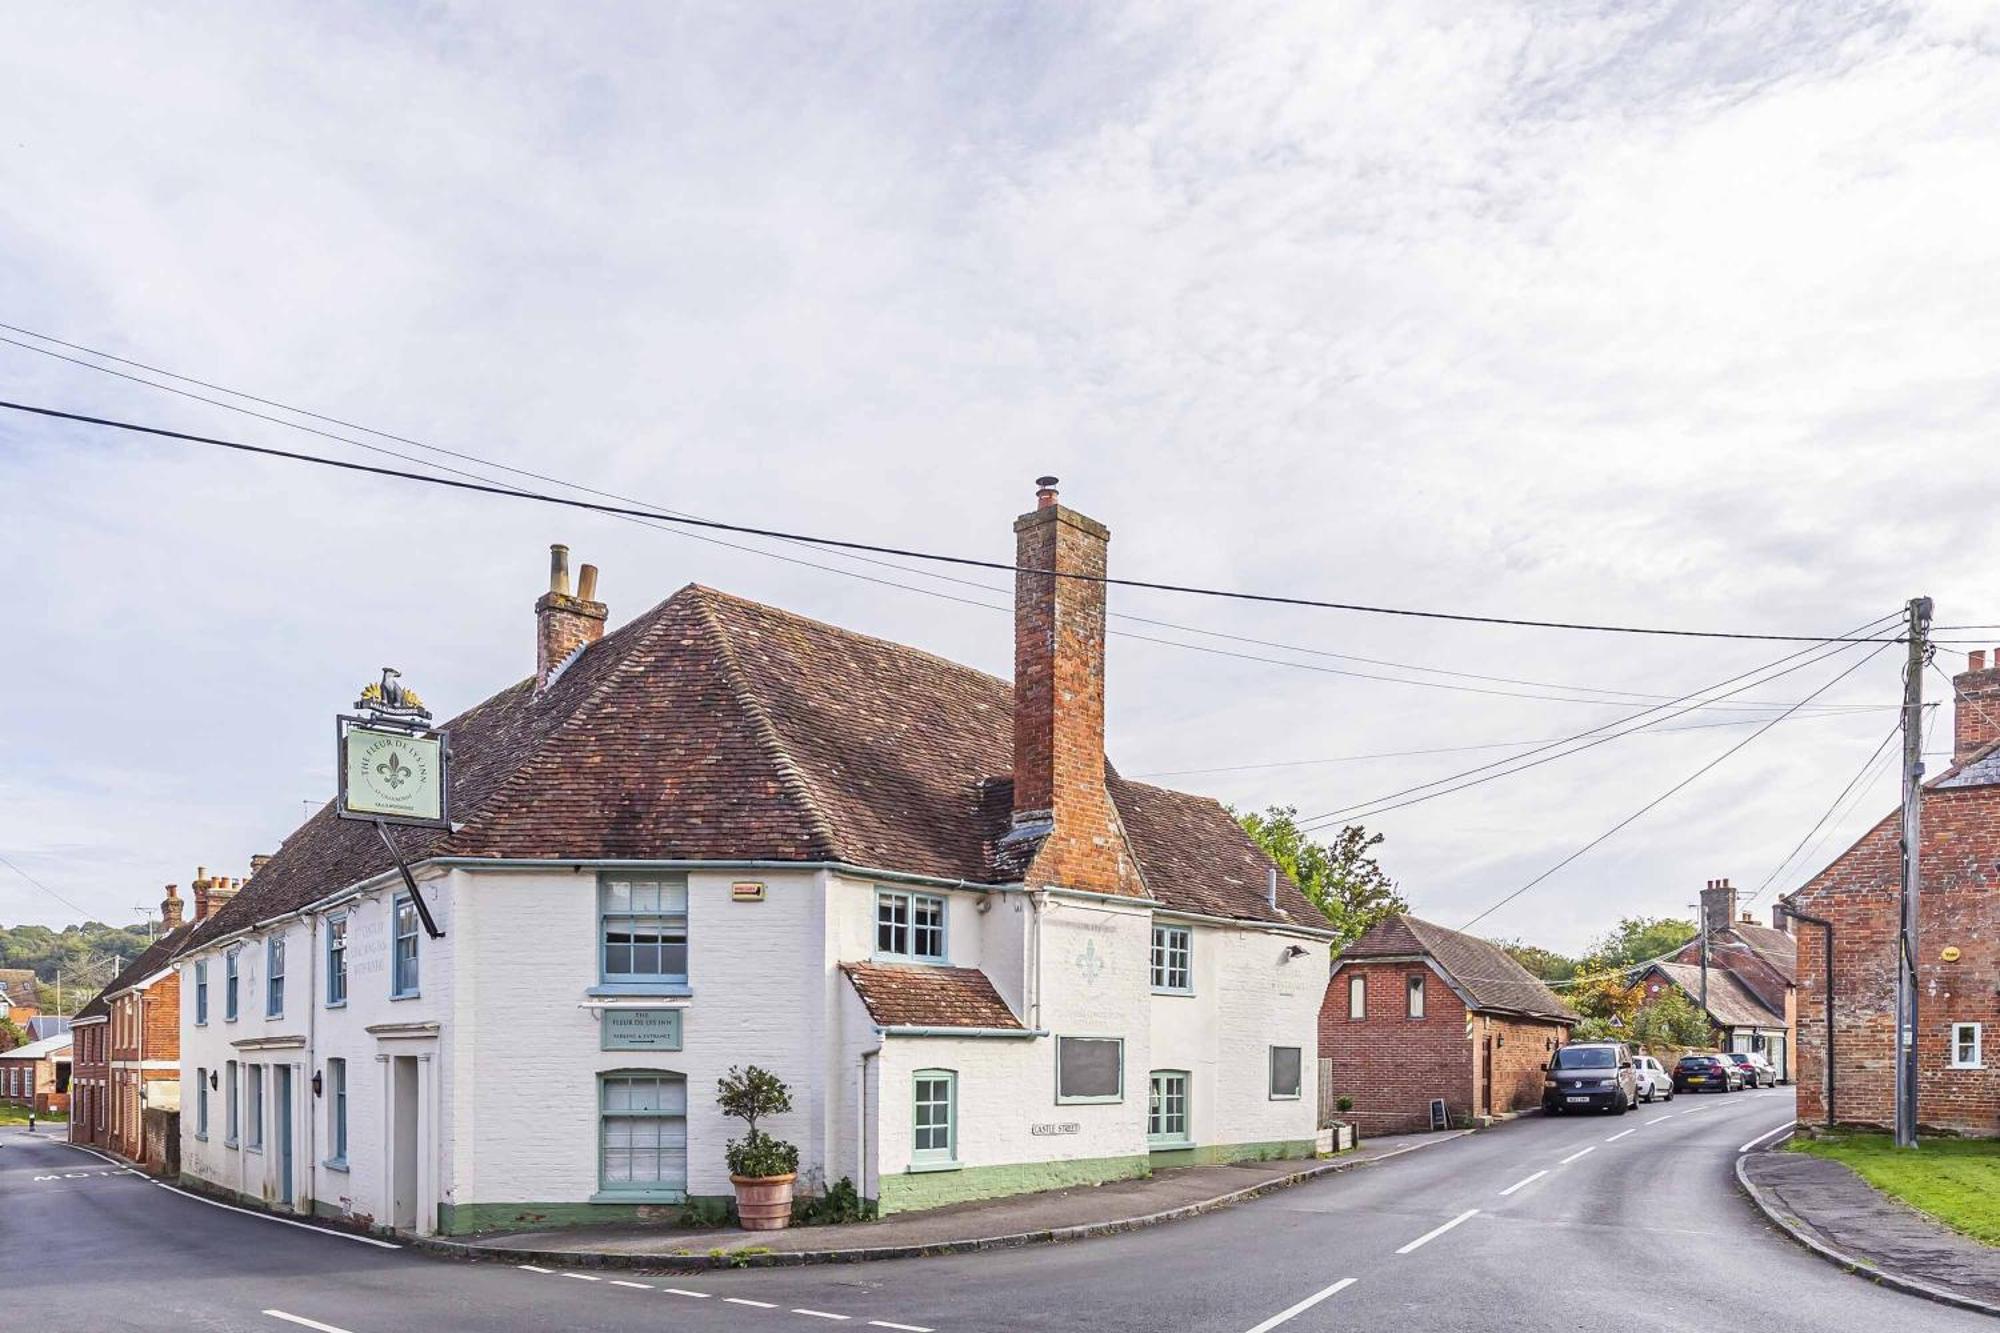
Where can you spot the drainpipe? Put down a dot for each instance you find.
(1037, 904)
(1827, 927)
(305, 1199)
(861, 1125)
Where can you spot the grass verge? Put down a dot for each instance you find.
(1957, 1181)
(11, 1114)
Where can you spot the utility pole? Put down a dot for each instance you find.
(1906, 934)
(1701, 925)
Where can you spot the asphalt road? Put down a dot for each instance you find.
(1590, 1222)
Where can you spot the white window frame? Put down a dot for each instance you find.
(934, 1157)
(1158, 1132)
(1271, 1074)
(1357, 996)
(1066, 1099)
(1416, 1000)
(1172, 959)
(1978, 1060)
(889, 929)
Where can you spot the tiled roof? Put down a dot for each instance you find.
(18, 985)
(1773, 946)
(713, 728)
(1981, 770)
(1730, 1002)
(1486, 972)
(900, 995)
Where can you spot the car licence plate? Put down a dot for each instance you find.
(1576, 1099)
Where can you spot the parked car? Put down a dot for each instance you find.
(1590, 1076)
(1757, 1071)
(1654, 1080)
(1706, 1073)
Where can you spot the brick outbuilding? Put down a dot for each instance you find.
(1416, 1013)
(1958, 947)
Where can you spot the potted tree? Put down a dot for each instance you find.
(762, 1168)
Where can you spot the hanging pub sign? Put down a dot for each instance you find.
(394, 768)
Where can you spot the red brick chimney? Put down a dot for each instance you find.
(212, 892)
(563, 622)
(1059, 700)
(1976, 713)
(170, 909)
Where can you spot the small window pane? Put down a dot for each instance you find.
(1285, 1071)
(1357, 996)
(1090, 1068)
(1167, 1105)
(1416, 995)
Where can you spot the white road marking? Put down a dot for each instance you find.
(621, 1282)
(304, 1322)
(1622, 1133)
(1279, 1318)
(532, 1269)
(740, 1300)
(583, 1277)
(816, 1314)
(281, 1221)
(1662, 1120)
(683, 1291)
(1435, 1232)
(1573, 1156)
(1520, 1184)
(1781, 1129)
(1696, 1111)
(906, 1328)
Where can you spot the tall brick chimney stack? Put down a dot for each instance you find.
(1976, 714)
(1059, 699)
(170, 909)
(211, 892)
(1718, 906)
(562, 621)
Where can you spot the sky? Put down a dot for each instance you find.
(1666, 315)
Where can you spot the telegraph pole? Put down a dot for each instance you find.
(1906, 934)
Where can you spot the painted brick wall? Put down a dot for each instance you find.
(1392, 1065)
(1960, 908)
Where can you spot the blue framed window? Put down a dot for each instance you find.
(1173, 959)
(1167, 1108)
(201, 994)
(909, 925)
(200, 1102)
(934, 1118)
(404, 975)
(232, 1115)
(336, 1111)
(274, 976)
(231, 976)
(642, 1135)
(253, 1106)
(336, 963)
(643, 930)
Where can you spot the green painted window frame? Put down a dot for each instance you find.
(336, 961)
(274, 977)
(402, 912)
(1172, 960)
(933, 1158)
(1159, 1133)
(201, 994)
(1298, 1074)
(662, 921)
(1065, 1099)
(626, 1190)
(887, 928)
(232, 984)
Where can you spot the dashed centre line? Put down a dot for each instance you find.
(1573, 1156)
(583, 1277)
(1284, 1315)
(532, 1269)
(1521, 1184)
(817, 1314)
(905, 1328)
(1663, 1119)
(1435, 1232)
(1622, 1133)
(304, 1322)
(621, 1282)
(683, 1291)
(745, 1300)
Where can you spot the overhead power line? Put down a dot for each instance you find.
(44, 888)
(1860, 774)
(1668, 793)
(841, 544)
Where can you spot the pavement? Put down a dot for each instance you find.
(1595, 1222)
(1833, 1211)
(1027, 1219)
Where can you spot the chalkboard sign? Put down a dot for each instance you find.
(1439, 1118)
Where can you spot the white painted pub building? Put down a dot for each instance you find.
(727, 835)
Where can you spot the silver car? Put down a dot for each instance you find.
(1655, 1083)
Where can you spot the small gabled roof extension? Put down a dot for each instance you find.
(1483, 971)
(716, 729)
(921, 996)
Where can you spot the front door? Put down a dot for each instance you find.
(1487, 1076)
(281, 1118)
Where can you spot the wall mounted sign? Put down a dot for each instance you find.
(1949, 953)
(641, 1030)
(747, 891)
(393, 767)
(1048, 1128)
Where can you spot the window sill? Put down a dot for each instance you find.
(1168, 1145)
(613, 989)
(1969, 1069)
(231, 1144)
(921, 1168)
(336, 1004)
(407, 995)
(1284, 1097)
(336, 1164)
(257, 1148)
(1090, 1101)
(639, 1196)
(200, 1137)
(1186, 992)
(909, 959)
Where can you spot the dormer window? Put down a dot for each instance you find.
(909, 926)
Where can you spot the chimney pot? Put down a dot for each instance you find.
(586, 583)
(1975, 722)
(559, 568)
(1976, 660)
(563, 622)
(1045, 492)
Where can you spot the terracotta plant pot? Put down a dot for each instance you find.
(764, 1203)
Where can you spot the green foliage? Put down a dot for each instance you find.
(1671, 1019)
(11, 1034)
(1610, 1009)
(1957, 1181)
(840, 1204)
(1544, 963)
(72, 951)
(1635, 940)
(1341, 878)
(705, 1211)
(749, 1095)
(1343, 1104)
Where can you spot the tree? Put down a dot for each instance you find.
(1544, 963)
(1671, 1019)
(749, 1095)
(1341, 878)
(1636, 939)
(1610, 1009)
(10, 1034)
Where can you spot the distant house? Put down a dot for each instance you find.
(37, 1076)
(1752, 980)
(1958, 947)
(1416, 1014)
(20, 999)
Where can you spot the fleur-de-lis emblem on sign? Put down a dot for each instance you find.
(393, 770)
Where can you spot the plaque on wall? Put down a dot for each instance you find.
(642, 1030)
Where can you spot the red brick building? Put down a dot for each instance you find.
(1958, 947)
(36, 1076)
(90, 1078)
(1752, 980)
(1416, 1013)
